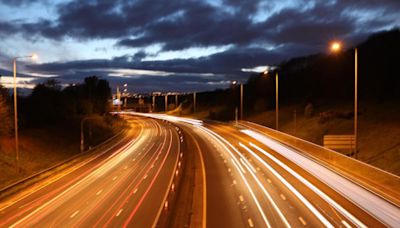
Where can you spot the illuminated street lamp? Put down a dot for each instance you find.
(33, 57)
(336, 47)
(276, 99)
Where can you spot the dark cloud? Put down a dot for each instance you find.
(178, 25)
(18, 2)
(214, 71)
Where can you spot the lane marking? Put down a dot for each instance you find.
(203, 169)
(74, 214)
(283, 196)
(346, 224)
(269, 181)
(241, 198)
(310, 186)
(119, 212)
(251, 224)
(234, 181)
(115, 178)
(302, 221)
(99, 192)
(290, 187)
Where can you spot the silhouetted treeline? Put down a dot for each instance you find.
(50, 103)
(5, 112)
(321, 78)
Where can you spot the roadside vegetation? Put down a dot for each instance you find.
(50, 123)
(319, 90)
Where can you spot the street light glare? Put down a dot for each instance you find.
(336, 46)
(34, 56)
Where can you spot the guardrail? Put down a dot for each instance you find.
(378, 181)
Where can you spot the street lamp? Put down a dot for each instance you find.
(33, 57)
(276, 99)
(336, 46)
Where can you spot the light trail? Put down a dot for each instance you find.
(269, 197)
(239, 168)
(374, 205)
(292, 189)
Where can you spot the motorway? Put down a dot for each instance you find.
(230, 176)
(121, 186)
(252, 180)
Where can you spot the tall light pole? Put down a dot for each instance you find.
(34, 56)
(335, 47)
(166, 102)
(241, 101)
(194, 102)
(154, 102)
(125, 95)
(276, 102)
(355, 101)
(276, 99)
(176, 100)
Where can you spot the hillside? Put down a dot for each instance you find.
(325, 82)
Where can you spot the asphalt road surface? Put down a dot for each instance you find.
(234, 177)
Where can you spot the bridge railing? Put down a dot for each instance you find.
(380, 182)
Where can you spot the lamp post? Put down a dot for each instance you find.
(194, 102)
(33, 57)
(166, 102)
(276, 102)
(125, 95)
(82, 147)
(276, 99)
(241, 101)
(336, 47)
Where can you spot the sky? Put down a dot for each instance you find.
(175, 45)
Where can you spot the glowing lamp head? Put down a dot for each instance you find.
(234, 82)
(34, 56)
(336, 46)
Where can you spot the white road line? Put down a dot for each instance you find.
(241, 198)
(74, 214)
(99, 192)
(312, 187)
(302, 221)
(346, 224)
(290, 187)
(134, 191)
(119, 212)
(115, 178)
(283, 196)
(251, 224)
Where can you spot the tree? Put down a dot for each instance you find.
(5, 115)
